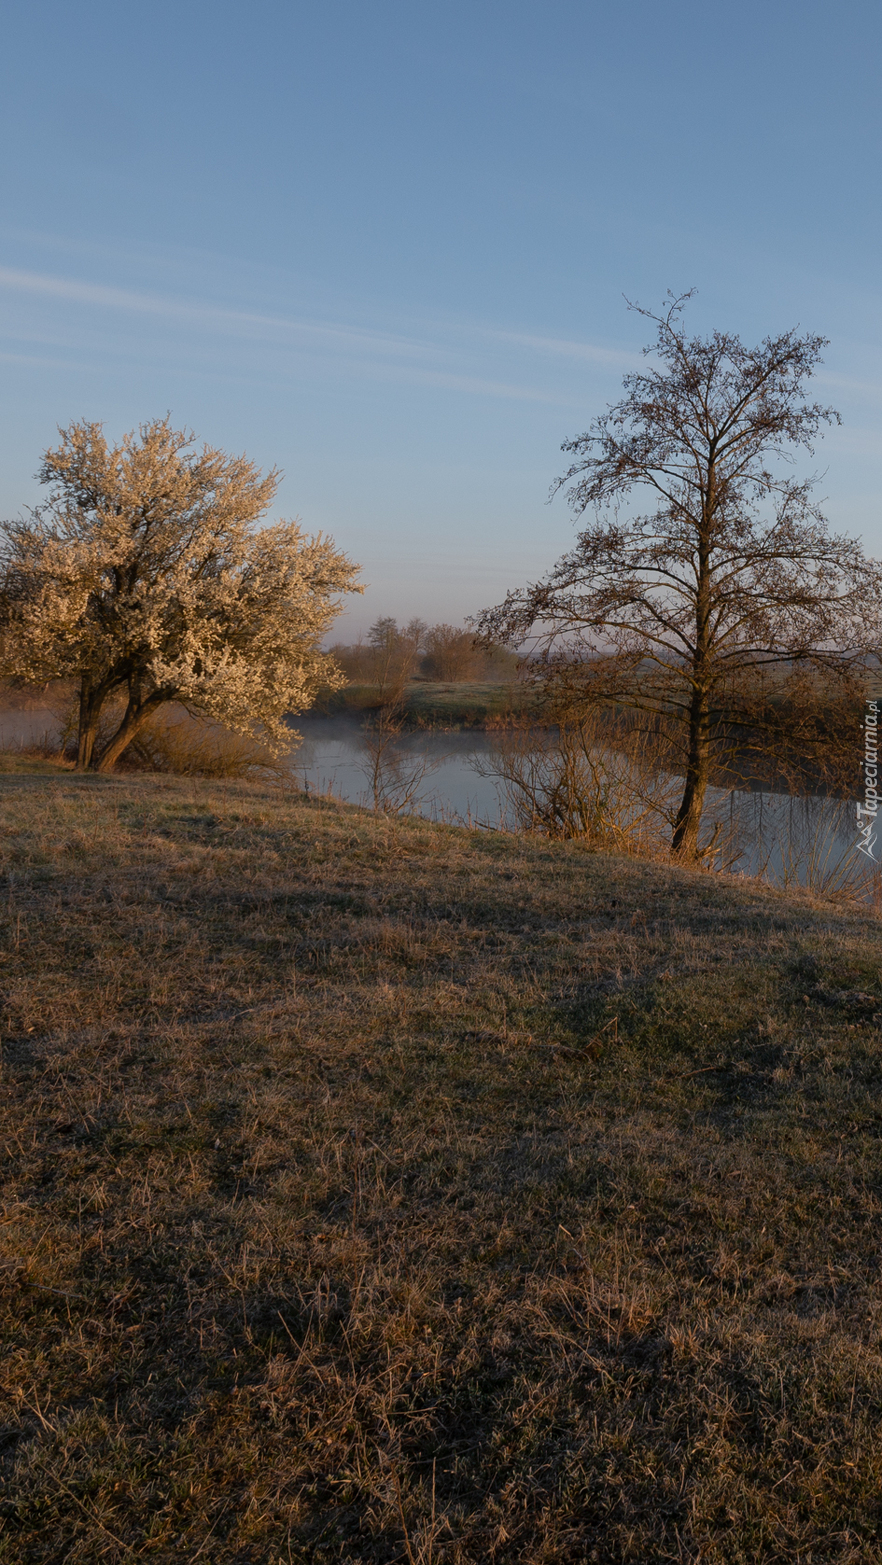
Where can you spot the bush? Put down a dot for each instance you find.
(175, 741)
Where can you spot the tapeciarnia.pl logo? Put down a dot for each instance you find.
(866, 812)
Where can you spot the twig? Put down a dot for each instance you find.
(704, 1069)
(207, 1537)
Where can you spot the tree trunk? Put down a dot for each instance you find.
(91, 702)
(136, 715)
(684, 844)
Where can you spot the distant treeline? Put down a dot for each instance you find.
(391, 655)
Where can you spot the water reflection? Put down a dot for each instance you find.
(336, 757)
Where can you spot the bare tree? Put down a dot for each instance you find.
(451, 654)
(730, 575)
(390, 657)
(395, 652)
(144, 579)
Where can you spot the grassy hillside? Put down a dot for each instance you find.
(379, 1192)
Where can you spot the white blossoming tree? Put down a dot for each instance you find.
(144, 578)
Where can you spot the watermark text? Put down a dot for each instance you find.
(868, 807)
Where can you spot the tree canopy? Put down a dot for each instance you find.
(145, 578)
(729, 572)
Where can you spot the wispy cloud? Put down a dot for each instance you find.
(422, 359)
(473, 385)
(40, 361)
(615, 358)
(240, 321)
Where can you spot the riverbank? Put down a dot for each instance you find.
(427, 704)
(376, 1189)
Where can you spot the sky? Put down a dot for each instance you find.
(387, 246)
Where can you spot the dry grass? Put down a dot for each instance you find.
(176, 741)
(172, 740)
(376, 1191)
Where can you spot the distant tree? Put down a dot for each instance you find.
(501, 664)
(143, 578)
(452, 655)
(395, 655)
(355, 659)
(730, 575)
(390, 657)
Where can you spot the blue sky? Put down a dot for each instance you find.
(384, 245)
